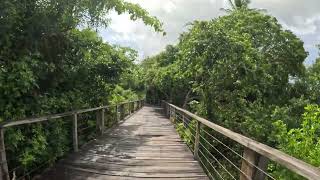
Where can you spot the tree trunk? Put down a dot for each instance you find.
(186, 99)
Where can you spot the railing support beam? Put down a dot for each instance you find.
(122, 111)
(3, 158)
(197, 141)
(250, 158)
(75, 132)
(100, 121)
(117, 113)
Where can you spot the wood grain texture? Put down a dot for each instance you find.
(250, 158)
(145, 146)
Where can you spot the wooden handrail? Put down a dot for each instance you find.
(298, 166)
(11, 123)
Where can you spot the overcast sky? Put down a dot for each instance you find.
(300, 16)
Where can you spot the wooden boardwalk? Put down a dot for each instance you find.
(145, 146)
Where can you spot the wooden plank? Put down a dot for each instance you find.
(159, 168)
(106, 177)
(141, 175)
(145, 162)
(298, 166)
(140, 155)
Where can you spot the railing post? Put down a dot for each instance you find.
(100, 121)
(262, 163)
(174, 115)
(250, 158)
(132, 107)
(136, 106)
(117, 113)
(197, 141)
(4, 173)
(122, 111)
(128, 109)
(75, 132)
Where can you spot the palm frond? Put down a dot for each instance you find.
(231, 4)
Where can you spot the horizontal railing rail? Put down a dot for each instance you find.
(10, 123)
(252, 148)
(120, 111)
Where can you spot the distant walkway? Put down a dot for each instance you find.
(145, 146)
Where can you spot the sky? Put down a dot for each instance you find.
(300, 16)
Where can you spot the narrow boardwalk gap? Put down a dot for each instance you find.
(146, 145)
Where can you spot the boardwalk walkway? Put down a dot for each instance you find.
(145, 146)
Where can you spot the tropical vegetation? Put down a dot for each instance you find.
(243, 71)
(52, 60)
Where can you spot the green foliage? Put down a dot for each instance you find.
(302, 143)
(186, 133)
(52, 60)
(119, 95)
(237, 67)
(312, 82)
(242, 71)
(163, 78)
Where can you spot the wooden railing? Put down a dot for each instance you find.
(250, 168)
(121, 110)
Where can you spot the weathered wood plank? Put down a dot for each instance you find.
(159, 168)
(137, 174)
(139, 163)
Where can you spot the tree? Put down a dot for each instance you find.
(312, 81)
(239, 4)
(238, 66)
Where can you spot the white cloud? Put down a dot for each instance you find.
(304, 26)
(301, 17)
(169, 7)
